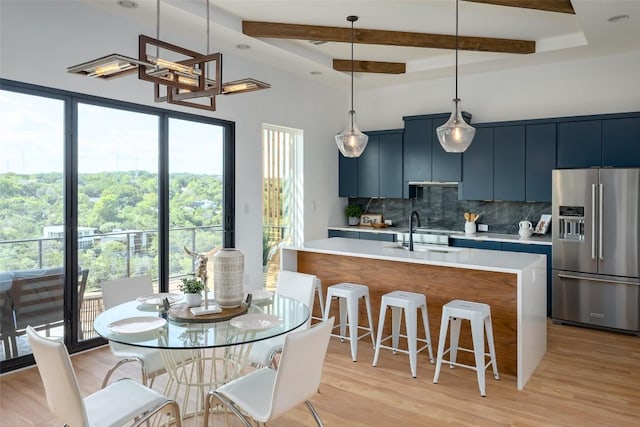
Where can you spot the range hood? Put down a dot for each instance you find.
(434, 183)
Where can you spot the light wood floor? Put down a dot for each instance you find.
(587, 378)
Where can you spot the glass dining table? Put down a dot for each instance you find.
(200, 354)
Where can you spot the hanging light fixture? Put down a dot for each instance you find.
(456, 135)
(351, 142)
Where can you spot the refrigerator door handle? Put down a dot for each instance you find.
(600, 250)
(593, 221)
(595, 279)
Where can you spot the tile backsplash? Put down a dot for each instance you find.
(439, 208)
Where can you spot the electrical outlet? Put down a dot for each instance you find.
(483, 227)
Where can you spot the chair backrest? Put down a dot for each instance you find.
(299, 286)
(115, 292)
(38, 300)
(59, 379)
(300, 367)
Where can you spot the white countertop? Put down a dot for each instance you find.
(481, 236)
(477, 259)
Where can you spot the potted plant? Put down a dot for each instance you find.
(192, 288)
(353, 212)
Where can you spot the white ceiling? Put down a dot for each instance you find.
(559, 37)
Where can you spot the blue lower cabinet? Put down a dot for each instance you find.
(475, 244)
(535, 249)
(385, 237)
(342, 233)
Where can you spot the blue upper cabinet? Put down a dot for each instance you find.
(369, 168)
(477, 166)
(509, 163)
(621, 142)
(417, 148)
(540, 158)
(579, 144)
(391, 164)
(347, 176)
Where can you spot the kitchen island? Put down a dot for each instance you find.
(513, 284)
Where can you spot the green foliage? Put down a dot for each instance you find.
(353, 211)
(191, 285)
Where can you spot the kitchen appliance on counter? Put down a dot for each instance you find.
(596, 248)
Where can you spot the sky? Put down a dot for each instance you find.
(32, 136)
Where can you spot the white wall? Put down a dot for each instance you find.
(592, 86)
(39, 38)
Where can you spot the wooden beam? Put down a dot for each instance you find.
(370, 66)
(560, 6)
(388, 38)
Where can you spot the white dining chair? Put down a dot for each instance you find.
(299, 286)
(115, 292)
(120, 403)
(267, 393)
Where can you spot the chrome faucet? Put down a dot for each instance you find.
(411, 227)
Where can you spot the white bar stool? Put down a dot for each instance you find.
(478, 314)
(320, 300)
(411, 302)
(349, 295)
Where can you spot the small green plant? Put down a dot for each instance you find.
(191, 285)
(353, 211)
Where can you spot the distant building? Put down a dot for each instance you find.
(86, 235)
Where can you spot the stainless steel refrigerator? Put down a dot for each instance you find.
(596, 248)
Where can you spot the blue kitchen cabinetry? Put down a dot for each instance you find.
(423, 157)
(476, 244)
(477, 166)
(509, 163)
(621, 142)
(379, 167)
(364, 235)
(579, 144)
(540, 155)
(347, 176)
(511, 247)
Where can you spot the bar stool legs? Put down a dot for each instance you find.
(480, 317)
(349, 295)
(318, 286)
(411, 302)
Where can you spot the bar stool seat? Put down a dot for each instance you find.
(349, 295)
(478, 314)
(411, 302)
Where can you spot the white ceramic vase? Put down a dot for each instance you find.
(228, 270)
(193, 300)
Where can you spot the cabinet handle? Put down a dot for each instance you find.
(593, 279)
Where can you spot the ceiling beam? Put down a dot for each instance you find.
(370, 66)
(561, 6)
(388, 38)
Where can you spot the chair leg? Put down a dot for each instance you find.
(352, 319)
(172, 408)
(314, 413)
(228, 404)
(444, 324)
(427, 331)
(383, 311)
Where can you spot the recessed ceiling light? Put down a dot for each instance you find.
(243, 46)
(316, 73)
(318, 42)
(129, 4)
(618, 18)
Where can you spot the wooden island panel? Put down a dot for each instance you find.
(439, 284)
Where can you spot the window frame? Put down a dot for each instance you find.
(70, 179)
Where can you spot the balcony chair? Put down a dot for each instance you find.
(299, 286)
(121, 402)
(266, 393)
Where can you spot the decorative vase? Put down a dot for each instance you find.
(228, 270)
(193, 300)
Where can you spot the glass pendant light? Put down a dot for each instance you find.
(456, 135)
(351, 142)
